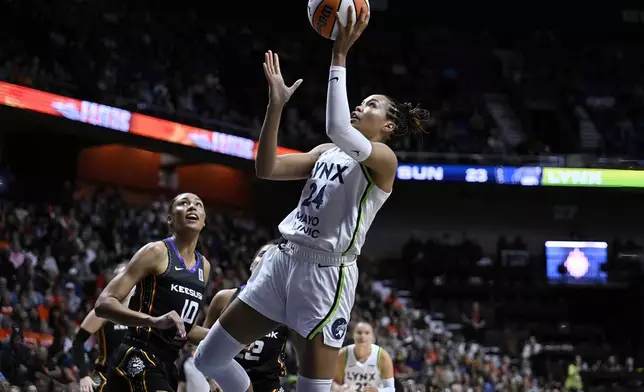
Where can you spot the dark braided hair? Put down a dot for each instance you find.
(407, 118)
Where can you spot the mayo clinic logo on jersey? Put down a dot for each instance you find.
(185, 290)
(306, 224)
(200, 275)
(339, 328)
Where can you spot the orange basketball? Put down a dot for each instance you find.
(323, 14)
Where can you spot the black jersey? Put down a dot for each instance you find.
(109, 337)
(264, 359)
(179, 289)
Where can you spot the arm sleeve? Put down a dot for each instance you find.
(78, 352)
(388, 385)
(338, 118)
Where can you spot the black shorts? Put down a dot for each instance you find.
(100, 378)
(267, 386)
(135, 370)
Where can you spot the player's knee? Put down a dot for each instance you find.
(313, 385)
(200, 359)
(216, 350)
(208, 362)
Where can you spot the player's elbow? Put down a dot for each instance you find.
(103, 306)
(263, 172)
(264, 167)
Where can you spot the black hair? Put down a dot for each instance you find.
(174, 200)
(170, 225)
(407, 118)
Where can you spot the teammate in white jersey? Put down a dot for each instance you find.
(308, 282)
(364, 366)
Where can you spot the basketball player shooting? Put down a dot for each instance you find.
(308, 281)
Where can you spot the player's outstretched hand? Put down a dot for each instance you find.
(278, 92)
(171, 320)
(350, 30)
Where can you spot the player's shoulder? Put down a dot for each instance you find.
(150, 254)
(383, 354)
(154, 248)
(344, 350)
(386, 152)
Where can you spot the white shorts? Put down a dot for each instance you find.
(309, 291)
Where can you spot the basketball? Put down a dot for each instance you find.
(323, 14)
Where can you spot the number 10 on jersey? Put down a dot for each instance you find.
(189, 311)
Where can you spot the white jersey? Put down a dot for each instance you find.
(360, 374)
(337, 206)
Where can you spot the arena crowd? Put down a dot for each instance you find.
(130, 56)
(56, 259)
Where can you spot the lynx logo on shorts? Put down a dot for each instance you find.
(339, 328)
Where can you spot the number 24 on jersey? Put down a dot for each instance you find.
(315, 197)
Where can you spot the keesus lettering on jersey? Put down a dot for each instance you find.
(185, 290)
(329, 171)
(356, 376)
(306, 224)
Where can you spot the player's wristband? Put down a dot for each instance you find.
(78, 352)
(388, 385)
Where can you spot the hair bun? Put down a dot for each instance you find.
(413, 119)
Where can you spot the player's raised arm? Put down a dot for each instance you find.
(362, 134)
(375, 155)
(147, 261)
(268, 165)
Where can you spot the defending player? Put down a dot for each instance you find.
(308, 282)
(364, 366)
(263, 359)
(108, 336)
(170, 278)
